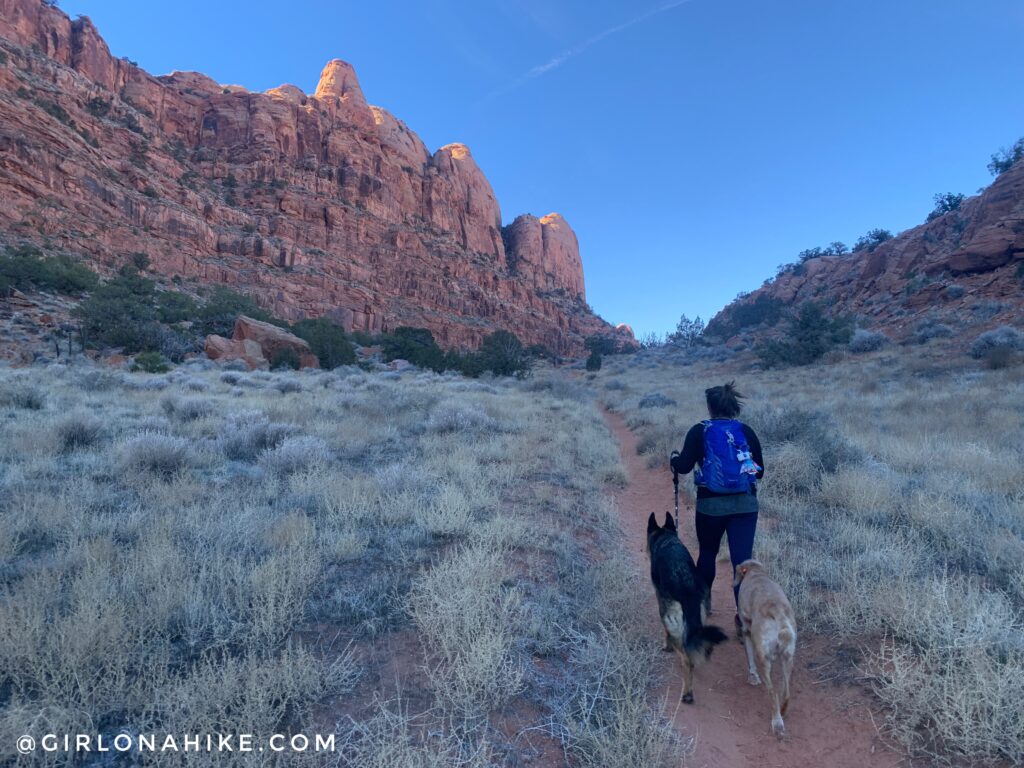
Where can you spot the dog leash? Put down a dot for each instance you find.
(675, 489)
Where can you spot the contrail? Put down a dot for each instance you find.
(576, 50)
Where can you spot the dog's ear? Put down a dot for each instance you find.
(670, 524)
(652, 523)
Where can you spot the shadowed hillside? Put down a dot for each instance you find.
(962, 271)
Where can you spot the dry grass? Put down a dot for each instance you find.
(467, 620)
(892, 516)
(217, 551)
(390, 738)
(608, 723)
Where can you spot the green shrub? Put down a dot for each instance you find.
(504, 355)
(124, 312)
(930, 328)
(763, 310)
(174, 307)
(998, 358)
(365, 338)
(188, 179)
(121, 313)
(602, 344)
(1002, 340)
(131, 123)
(809, 336)
(594, 362)
(832, 249)
(867, 341)
(946, 203)
(539, 352)
(150, 362)
(1005, 158)
(57, 111)
(687, 332)
(285, 358)
(26, 268)
(98, 107)
(138, 155)
(466, 363)
(416, 345)
(872, 240)
(327, 340)
(220, 311)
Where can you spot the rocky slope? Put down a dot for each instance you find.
(316, 204)
(962, 270)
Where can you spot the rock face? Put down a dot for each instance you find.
(314, 204)
(545, 251)
(964, 269)
(257, 343)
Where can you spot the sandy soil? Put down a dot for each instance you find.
(829, 724)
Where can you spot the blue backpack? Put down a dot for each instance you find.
(727, 466)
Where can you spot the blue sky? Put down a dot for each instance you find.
(693, 145)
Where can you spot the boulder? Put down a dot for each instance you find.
(271, 340)
(990, 249)
(248, 351)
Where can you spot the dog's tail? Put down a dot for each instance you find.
(702, 640)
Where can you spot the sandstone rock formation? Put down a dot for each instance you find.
(257, 344)
(249, 352)
(964, 269)
(545, 251)
(314, 204)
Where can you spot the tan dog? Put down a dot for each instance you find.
(769, 634)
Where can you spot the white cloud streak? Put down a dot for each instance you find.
(579, 48)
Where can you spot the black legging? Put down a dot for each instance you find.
(710, 528)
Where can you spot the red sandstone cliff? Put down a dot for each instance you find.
(964, 269)
(316, 204)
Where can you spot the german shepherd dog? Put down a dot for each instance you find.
(681, 599)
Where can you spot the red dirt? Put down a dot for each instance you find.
(828, 724)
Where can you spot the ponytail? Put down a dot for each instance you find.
(724, 401)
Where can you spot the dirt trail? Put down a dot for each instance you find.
(829, 724)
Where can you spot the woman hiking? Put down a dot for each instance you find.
(725, 457)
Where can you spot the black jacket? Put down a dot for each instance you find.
(693, 453)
